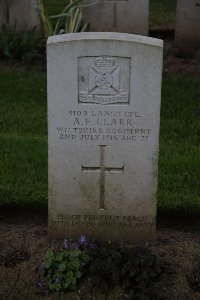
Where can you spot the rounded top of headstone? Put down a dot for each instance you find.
(112, 36)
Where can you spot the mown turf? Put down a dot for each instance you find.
(23, 170)
(162, 14)
(23, 142)
(179, 171)
(23, 138)
(23, 103)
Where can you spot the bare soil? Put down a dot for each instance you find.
(24, 240)
(181, 61)
(177, 60)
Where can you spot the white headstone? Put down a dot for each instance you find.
(103, 113)
(188, 23)
(23, 13)
(131, 16)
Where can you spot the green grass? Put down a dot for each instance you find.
(23, 142)
(162, 12)
(23, 170)
(179, 172)
(23, 138)
(23, 103)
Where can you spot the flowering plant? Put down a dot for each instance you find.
(136, 269)
(60, 271)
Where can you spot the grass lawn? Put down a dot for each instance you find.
(162, 12)
(23, 138)
(179, 171)
(23, 142)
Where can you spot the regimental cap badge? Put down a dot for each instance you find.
(104, 79)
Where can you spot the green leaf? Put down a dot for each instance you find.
(73, 281)
(85, 258)
(66, 285)
(58, 287)
(62, 267)
(59, 257)
(78, 274)
(69, 274)
(47, 264)
(74, 253)
(74, 264)
(49, 254)
(51, 286)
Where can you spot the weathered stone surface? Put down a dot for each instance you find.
(188, 23)
(131, 16)
(103, 113)
(21, 12)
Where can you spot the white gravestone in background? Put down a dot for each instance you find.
(187, 23)
(103, 113)
(131, 16)
(23, 13)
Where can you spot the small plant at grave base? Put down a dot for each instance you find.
(135, 269)
(61, 271)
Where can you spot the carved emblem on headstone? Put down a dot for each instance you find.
(104, 80)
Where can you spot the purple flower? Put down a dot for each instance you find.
(39, 284)
(93, 245)
(66, 244)
(83, 240)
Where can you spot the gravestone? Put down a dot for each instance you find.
(129, 16)
(103, 125)
(23, 13)
(187, 32)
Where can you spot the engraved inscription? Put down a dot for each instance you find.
(102, 221)
(102, 169)
(104, 80)
(104, 126)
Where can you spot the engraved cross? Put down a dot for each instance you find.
(102, 170)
